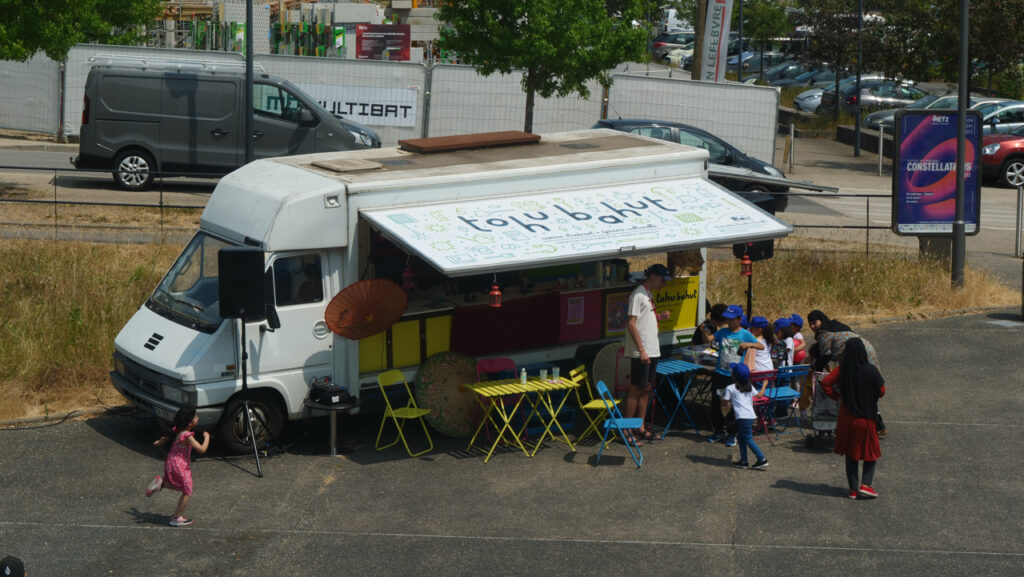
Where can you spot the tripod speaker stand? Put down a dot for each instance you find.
(242, 296)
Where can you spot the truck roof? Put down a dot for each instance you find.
(377, 168)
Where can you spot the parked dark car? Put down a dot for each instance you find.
(874, 95)
(785, 70)
(720, 151)
(809, 78)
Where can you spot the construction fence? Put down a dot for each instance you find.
(411, 100)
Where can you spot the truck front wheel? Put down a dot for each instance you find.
(267, 424)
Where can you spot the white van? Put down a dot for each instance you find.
(459, 211)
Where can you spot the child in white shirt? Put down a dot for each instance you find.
(740, 395)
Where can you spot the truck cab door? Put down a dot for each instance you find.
(283, 124)
(300, 350)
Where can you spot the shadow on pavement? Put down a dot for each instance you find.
(713, 461)
(820, 489)
(144, 518)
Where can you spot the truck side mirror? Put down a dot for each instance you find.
(306, 116)
(273, 321)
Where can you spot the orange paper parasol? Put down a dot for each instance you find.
(365, 308)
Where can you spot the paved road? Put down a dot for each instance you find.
(950, 481)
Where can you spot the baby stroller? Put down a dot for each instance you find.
(824, 414)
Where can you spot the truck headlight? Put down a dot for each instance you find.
(173, 394)
(990, 149)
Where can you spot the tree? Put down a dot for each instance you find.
(559, 44)
(832, 36)
(54, 26)
(900, 45)
(764, 20)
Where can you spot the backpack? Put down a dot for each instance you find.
(779, 353)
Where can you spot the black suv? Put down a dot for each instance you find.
(721, 152)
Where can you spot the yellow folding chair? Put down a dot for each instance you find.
(593, 404)
(401, 415)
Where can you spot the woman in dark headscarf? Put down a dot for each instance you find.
(831, 335)
(858, 385)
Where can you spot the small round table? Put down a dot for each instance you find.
(333, 410)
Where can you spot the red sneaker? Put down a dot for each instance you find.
(867, 492)
(853, 494)
(155, 486)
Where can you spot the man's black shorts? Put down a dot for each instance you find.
(641, 375)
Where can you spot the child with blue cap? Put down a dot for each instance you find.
(781, 327)
(740, 395)
(735, 345)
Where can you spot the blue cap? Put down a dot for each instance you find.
(759, 323)
(739, 370)
(732, 312)
(796, 320)
(659, 269)
(743, 321)
(781, 323)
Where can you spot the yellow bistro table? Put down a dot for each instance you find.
(491, 395)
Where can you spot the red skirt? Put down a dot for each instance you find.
(857, 438)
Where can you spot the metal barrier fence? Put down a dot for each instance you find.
(167, 184)
(62, 226)
(441, 100)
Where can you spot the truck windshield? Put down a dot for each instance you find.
(189, 294)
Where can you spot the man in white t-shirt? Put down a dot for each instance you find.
(642, 346)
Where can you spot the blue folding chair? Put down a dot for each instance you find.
(623, 426)
(785, 393)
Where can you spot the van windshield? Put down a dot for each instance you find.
(189, 294)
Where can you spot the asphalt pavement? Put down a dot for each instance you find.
(950, 480)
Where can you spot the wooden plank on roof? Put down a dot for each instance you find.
(468, 141)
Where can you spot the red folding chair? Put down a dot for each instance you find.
(764, 407)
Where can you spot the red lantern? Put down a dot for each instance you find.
(746, 266)
(408, 278)
(495, 295)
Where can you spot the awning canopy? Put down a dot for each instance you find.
(579, 225)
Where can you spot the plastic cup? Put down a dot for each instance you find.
(555, 373)
(543, 374)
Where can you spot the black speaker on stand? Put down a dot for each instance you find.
(242, 296)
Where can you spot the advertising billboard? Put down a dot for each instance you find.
(382, 42)
(924, 172)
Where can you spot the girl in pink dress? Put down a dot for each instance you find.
(177, 469)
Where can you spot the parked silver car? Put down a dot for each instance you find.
(874, 95)
(886, 118)
(1004, 117)
(810, 99)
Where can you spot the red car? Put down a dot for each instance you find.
(1002, 157)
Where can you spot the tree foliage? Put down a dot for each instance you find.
(54, 26)
(559, 45)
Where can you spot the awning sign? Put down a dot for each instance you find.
(514, 232)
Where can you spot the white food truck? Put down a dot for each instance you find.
(549, 219)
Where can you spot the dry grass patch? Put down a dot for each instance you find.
(102, 216)
(854, 287)
(61, 305)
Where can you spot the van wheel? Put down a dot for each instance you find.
(133, 170)
(267, 424)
